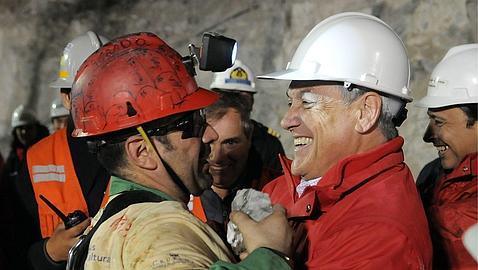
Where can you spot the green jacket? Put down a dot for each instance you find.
(124, 247)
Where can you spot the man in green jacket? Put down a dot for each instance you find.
(141, 110)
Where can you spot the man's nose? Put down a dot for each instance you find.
(210, 135)
(216, 153)
(290, 120)
(429, 134)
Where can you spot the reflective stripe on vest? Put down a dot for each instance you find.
(52, 174)
(198, 210)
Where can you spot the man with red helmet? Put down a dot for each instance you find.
(140, 108)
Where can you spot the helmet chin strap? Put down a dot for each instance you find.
(171, 172)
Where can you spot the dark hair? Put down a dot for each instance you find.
(65, 90)
(471, 111)
(112, 156)
(248, 97)
(229, 100)
(110, 149)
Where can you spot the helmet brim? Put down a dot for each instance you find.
(199, 99)
(286, 75)
(438, 102)
(60, 83)
(297, 75)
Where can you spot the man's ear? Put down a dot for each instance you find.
(139, 154)
(368, 112)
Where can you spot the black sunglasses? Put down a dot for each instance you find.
(192, 125)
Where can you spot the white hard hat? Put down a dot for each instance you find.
(57, 109)
(22, 116)
(75, 52)
(455, 79)
(239, 77)
(353, 48)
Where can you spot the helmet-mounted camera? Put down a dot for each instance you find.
(216, 54)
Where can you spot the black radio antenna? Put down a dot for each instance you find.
(56, 210)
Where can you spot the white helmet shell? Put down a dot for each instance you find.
(57, 109)
(75, 52)
(22, 116)
(355, 48)
(454, 80)
(239, 77)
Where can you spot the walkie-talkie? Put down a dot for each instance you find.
(73, 219)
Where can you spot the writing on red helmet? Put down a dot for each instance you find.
(130, 81)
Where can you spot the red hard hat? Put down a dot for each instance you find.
(132, 80)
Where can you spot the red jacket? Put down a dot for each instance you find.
(453, 209)
(365, 213)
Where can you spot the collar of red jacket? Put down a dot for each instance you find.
(467, 167)
(348, 174)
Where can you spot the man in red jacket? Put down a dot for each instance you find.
(448, 185)
(351, 197)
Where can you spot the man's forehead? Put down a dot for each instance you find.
(228, 125)
(226, 114)
(297, 89)
(446, 112)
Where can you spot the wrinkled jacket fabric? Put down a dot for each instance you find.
(155, 236)
(365, 213)
(164, 235)
(450, 200)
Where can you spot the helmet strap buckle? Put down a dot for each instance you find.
(348, 86)
(400, 117)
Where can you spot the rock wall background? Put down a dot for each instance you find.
(34, 32)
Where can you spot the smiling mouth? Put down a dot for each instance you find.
(218, 169)
(301, 142)
(441, 149)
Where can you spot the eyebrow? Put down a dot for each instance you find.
(434, 116)
(235, 138)
(301, 91)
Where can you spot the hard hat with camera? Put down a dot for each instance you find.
(131, 81)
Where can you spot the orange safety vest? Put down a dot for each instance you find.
(198, 210)
(52, 174)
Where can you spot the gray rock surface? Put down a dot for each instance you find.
(34, 32)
